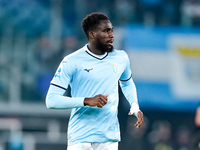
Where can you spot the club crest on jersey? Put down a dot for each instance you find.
(58, 73)
(114, 66)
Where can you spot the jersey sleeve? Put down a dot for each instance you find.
(59, 84)
(126, 83)
(126, 75)
(56, 100)
(64, 74)
(129, 90)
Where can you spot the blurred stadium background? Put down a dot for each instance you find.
(162, 38)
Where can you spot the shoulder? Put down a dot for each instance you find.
(120, 53)
(116, 51)
(72, 60)
(75, 56)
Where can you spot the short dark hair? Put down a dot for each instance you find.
(91, 21)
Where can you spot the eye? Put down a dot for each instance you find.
(108, 30)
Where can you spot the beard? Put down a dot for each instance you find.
(104, 47)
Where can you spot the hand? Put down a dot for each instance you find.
(140, 119)
(98, 100)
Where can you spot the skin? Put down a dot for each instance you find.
(197, 117)
(104, 35)
(98, 100)
(140, 119)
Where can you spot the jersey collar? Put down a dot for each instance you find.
(100, 57)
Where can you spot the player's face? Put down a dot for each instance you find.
(104, 36)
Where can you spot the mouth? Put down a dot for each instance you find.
(110, 42)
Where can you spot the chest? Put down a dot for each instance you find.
(100, 69)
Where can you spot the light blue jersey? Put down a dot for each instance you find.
(89, 75)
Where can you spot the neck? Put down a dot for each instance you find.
(94, 50)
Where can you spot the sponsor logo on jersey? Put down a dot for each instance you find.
(88, 70)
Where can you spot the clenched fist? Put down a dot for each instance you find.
(98, 100)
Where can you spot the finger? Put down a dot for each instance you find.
(136, 125)
(103, 99)
(139, 122)
(102, 102)
(99, 105)
(106, 95)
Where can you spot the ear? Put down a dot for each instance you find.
(92, 34)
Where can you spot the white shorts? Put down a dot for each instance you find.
(94, 146)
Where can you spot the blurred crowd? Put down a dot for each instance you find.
(36, 16)
(37, 34)
(160, 136)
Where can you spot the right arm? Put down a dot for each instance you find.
(59, 84)
(56, 100)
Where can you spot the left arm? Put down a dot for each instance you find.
(129, 91)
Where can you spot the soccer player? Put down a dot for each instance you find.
(93, 72)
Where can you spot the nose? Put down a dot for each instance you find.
(111, 35)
